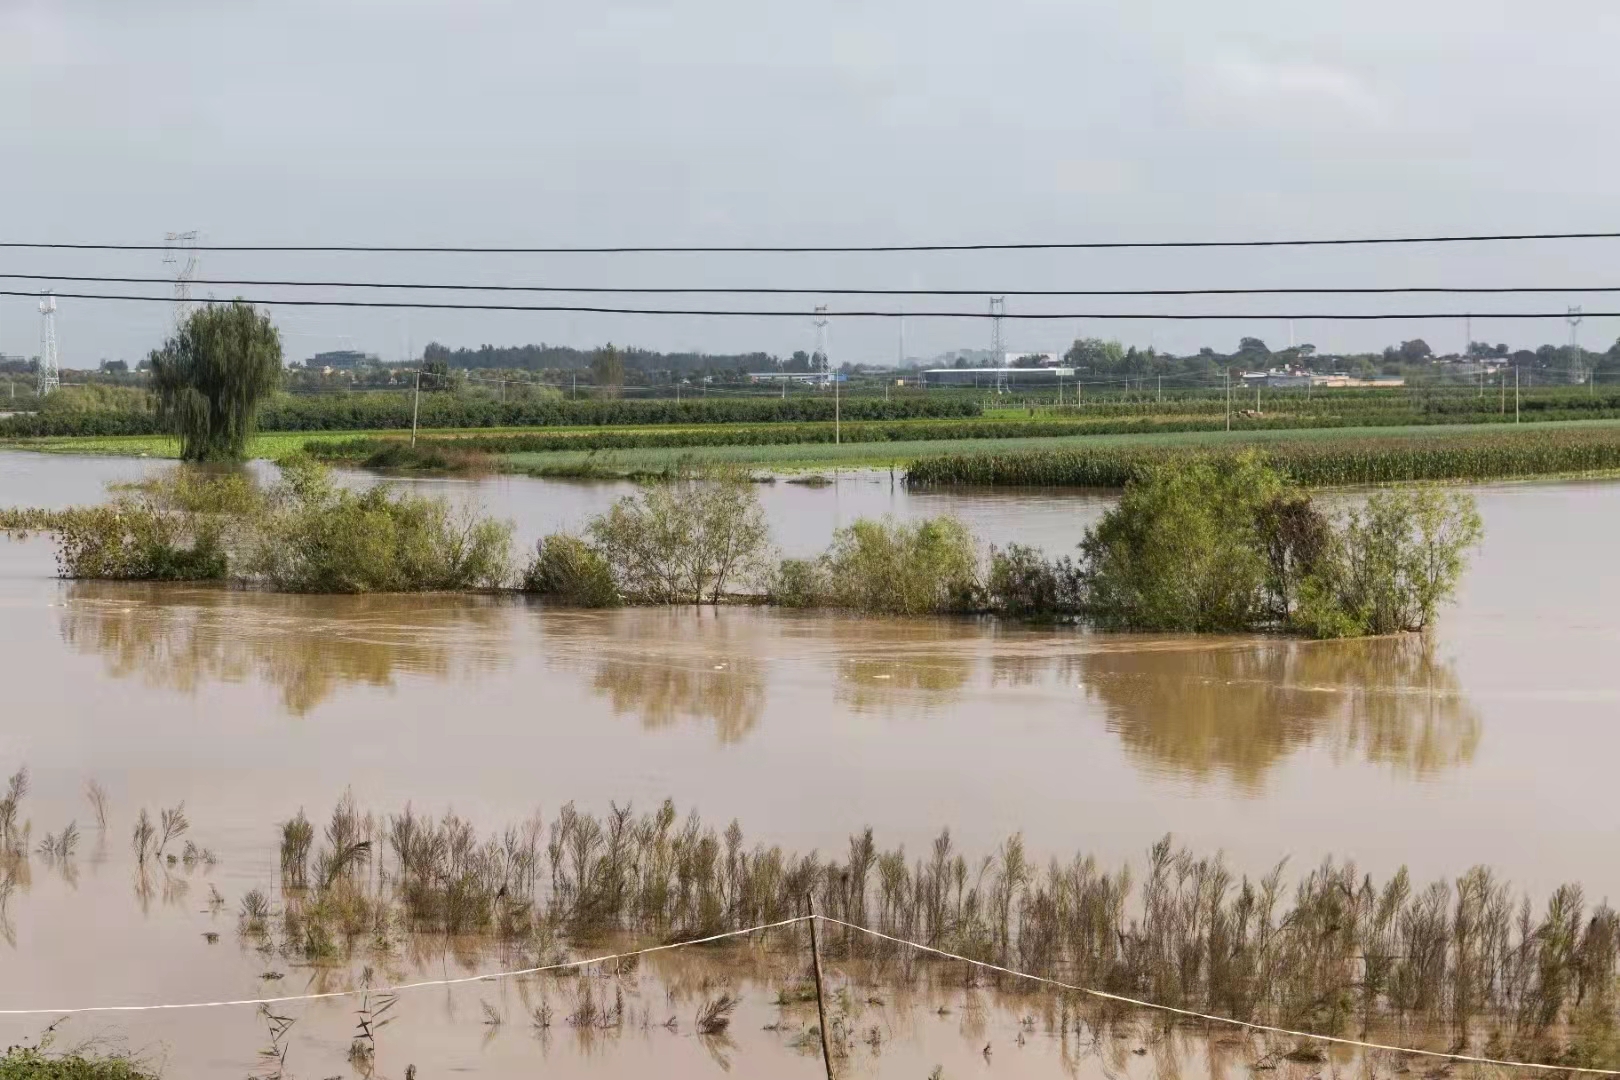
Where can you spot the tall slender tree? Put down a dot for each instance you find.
(211, 377)
(607, 369)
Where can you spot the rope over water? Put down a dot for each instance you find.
(1103, 995)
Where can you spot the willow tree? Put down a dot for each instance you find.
(211, 376)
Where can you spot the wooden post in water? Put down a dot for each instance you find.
(815, 962)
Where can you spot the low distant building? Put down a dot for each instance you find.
(995, 376)
(341, 359)
(1296, 379)
(1032, 359)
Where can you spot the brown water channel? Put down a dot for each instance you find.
(1492, 743)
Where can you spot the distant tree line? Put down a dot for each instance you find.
(1100, 357)
(566, 358)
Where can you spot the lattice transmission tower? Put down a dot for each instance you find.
(50, 366)
(1573, 317)
(998, 346)
(180, 252)
(821, 362)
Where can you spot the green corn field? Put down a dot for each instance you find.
(1539, 450)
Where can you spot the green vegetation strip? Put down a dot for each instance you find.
(1490, 453)
(40, 1063)
(387, 451)
(395, 411)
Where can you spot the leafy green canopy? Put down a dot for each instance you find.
(1225, 545)
(211, 377)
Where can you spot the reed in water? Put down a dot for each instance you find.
(1332, 952)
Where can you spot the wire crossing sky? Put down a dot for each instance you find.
(908, 145)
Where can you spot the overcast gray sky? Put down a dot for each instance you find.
(725, 121)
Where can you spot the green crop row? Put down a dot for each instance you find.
(368, 449)
(1325, 462)
(351, 412)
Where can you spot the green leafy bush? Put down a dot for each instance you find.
(569, 571)
(887, 567)
(798, 583)
(72, 401)
(1182, 550)
(683, 542)
(177, 527)
(314, 536)
(1223, 545)
(1398, 558)
(1024, 584)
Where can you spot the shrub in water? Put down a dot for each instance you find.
(1222, 545)
(923, 568)
(1182, 550)
(569, 571)
(798, 583)
(1394, 562)
(682, 543)
(317, 537)
(177, 527)
(1024, 584)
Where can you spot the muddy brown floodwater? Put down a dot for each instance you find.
(1493, 743)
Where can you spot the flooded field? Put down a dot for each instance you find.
(1490, 744)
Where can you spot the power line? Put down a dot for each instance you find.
(771, 290)
(1203, 316)
(805, 249)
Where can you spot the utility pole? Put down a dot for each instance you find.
(1228, 399)
(838, 436)
(1160, 398)
(1515, 394)
(416, 402)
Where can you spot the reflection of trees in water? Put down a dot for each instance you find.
(907, 681)
(1196, 707)
(894, 665)
(728, 692)
(669, 665)
(1240, 708)
(181, 638)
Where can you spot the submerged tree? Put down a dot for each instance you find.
(211, 376)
